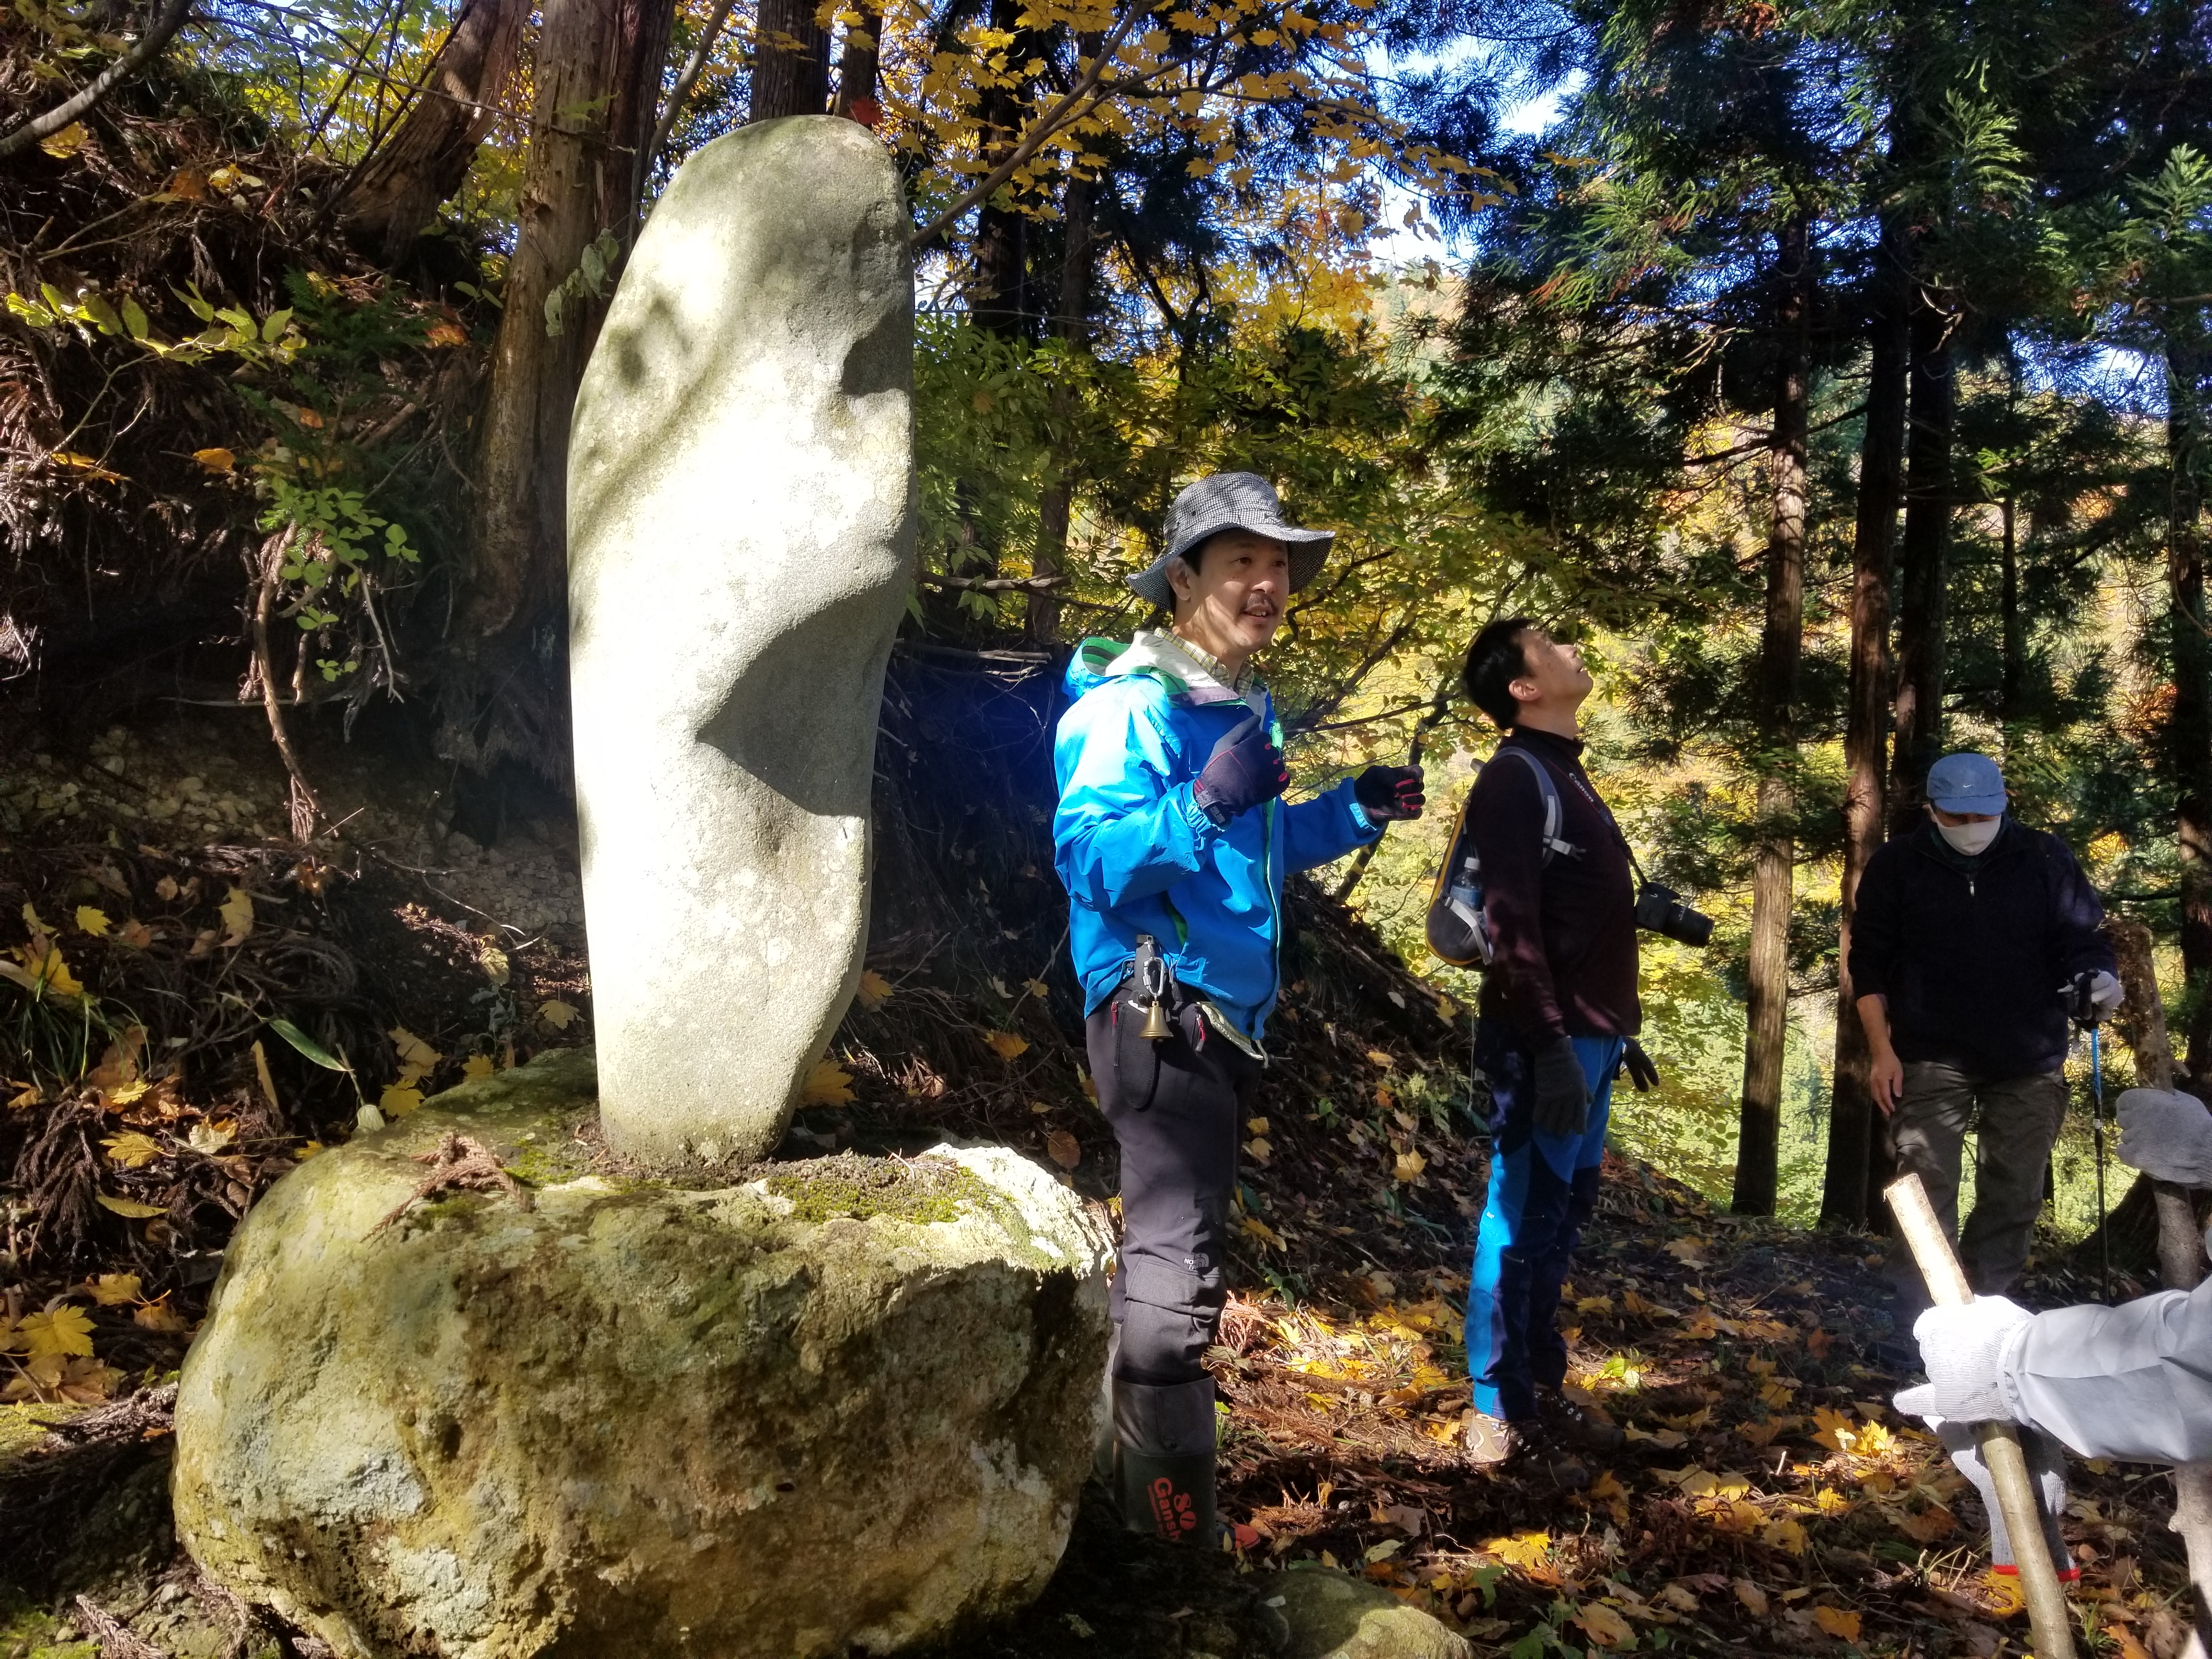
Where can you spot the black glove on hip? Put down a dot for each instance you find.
(1638, 1064)
(1562, 1091)
(1389, 792)
(1243, 770)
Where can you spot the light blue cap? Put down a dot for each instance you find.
(1966, 782)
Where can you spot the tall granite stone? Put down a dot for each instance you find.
(740, 528)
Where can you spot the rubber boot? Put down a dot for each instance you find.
(1163, 1459)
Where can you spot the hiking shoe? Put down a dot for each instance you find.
(1580, 1423)
(1490, 1441)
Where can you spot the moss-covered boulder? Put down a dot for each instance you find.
(845, 1406)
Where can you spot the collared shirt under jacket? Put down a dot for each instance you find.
(1970, 952)
(1137, 853)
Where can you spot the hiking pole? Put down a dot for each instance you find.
(2097, 1117)
(2049, 1620)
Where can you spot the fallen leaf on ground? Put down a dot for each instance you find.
(1837, 1623)
(398, 1100)
(875, 990)
(215, 458)
(1603, 1625)
(1064, 1149)
(827, 1085)
(1753, 1597)
(557, 1014)
(478, 1066)
(236, 912)
(132, 1150)
(110, 1290)
(1007, 1045)
(93, 921)
(159, 1317)
(63, 1331)
(129, 1207)
(1408, 1166)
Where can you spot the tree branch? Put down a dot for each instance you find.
(1047, 124)
(41, 127)
(680, 93)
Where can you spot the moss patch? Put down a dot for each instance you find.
(921, 1190)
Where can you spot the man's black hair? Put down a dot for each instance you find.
(1494, 661)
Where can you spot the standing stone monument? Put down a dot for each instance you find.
(740, 526)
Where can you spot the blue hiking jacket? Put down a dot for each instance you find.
(1137, 853)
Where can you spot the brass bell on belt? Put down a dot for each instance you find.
(1156, 1027)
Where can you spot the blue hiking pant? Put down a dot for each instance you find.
(1542, 1188)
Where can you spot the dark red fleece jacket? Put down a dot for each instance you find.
(1565, 932)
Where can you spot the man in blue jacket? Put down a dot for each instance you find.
(1173, 843)
(1974, 939)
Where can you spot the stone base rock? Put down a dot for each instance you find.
(804, 1416)
(1331, 1616)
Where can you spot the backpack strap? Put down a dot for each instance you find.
(1550, 843)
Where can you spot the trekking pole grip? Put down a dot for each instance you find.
(2049, 1620)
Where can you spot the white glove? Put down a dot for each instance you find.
(2167, 1135)
(1960, 1349)
(2046, 1468)
(2097, 999)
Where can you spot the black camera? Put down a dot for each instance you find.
(1661, 910)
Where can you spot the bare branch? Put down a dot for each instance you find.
(39, 128)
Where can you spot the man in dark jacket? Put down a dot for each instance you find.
(1973, 940)
(1557, 1010)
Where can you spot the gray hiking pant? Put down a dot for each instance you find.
(2018, 1119)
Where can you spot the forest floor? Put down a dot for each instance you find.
(1767, 1502)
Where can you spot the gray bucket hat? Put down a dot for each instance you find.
(1229, 501)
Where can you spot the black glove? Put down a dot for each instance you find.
(1388, 792)
(1562, 1091)
(1243, 770)
(1639, 1066)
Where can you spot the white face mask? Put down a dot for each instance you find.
(1973, 838)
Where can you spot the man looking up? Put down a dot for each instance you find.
(1558, 1007)
(1973, 940)
(1173, 846)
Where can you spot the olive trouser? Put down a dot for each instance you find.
(2017, 1120)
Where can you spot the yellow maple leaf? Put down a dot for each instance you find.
(1784, 1535)
(92, 921)
(412, 1050)
(1257, 1126)
(398, 1100)
(477, 1065)
(215, 459)
(1259, 1150)
(132, 1150)
(875, 990)
(1523, 1549)
(827, 1085)
(1037, 987)
(1753, 1597)
(1007, 1045)
(63, 1331)
(2001, 1593)
(130, 1208)
(494, 962)
(208, 1139)
(1842, 1625)
(1837, 1432)
(1408, 1166)
(65, 143)
(1376, 1057)
(31, 919)
(110, 1289)
(1603, 1625)
(236, 914)
(557, 1014)
(29, 1095)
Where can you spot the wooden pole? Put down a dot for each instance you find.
(2048, 1617)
